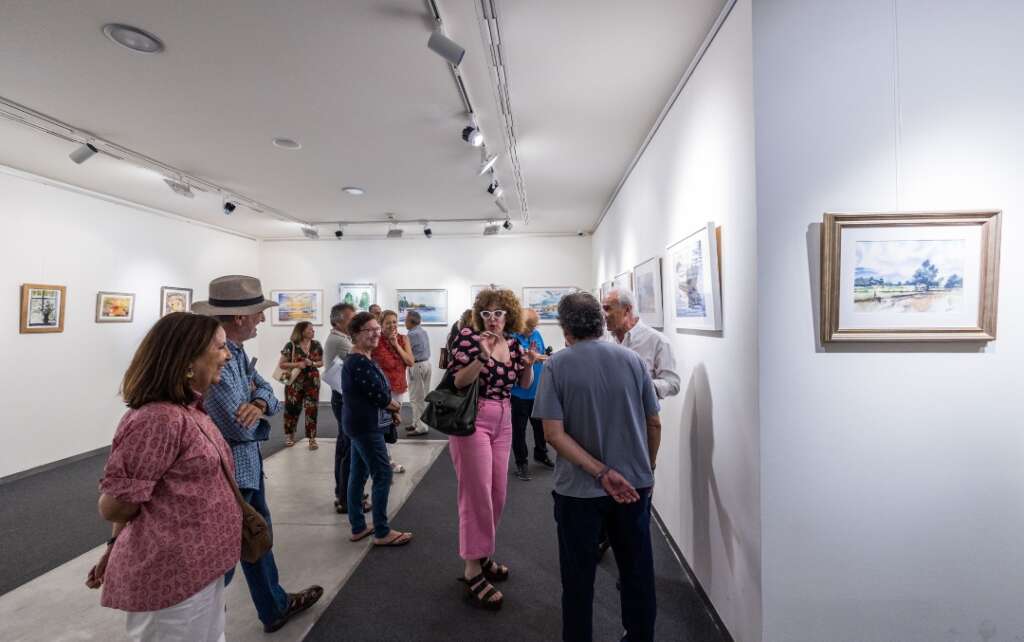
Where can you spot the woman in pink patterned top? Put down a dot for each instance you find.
(487, 352)
(177, 526)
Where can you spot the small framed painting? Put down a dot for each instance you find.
(606, 287)
(175, 300)
(431, 304)
(910, 276)
(624, 281)
(696, 289)
(544, 301)
(115, 307)
(647, 290)
(42, 308)
(360, 295)
(297, 305)
(475, 290)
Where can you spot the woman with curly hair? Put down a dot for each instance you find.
(486, 351)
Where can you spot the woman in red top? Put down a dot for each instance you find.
(394, 355)
(177, 526)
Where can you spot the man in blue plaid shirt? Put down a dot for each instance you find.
(240, 405)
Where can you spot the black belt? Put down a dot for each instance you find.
(423, 360)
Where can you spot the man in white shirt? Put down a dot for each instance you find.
(653, 347)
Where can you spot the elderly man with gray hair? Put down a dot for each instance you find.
(419, 372)
(653, 347)
(600, 413)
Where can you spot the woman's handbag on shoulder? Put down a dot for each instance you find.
(445, 359)
(287, 376)
(257, 539)
(450, 410)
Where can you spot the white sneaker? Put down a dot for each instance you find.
(420, 431)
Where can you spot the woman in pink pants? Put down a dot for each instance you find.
(486, 350)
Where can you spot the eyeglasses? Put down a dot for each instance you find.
(496, 314)
(370, 330)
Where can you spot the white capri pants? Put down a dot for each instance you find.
(199, 618)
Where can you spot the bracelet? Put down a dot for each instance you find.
(604, 471)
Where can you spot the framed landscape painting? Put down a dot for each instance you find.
(115, 307)
(647, 286)
(431, 304)
(910, 276)
(361, 295)
(42, 308)
(297, 305)
(696, 302)
(606, 287)
(544, 300)
(175, 300)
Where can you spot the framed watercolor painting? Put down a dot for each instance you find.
(175, 300)
(431, 304)
(544, 300)
(115, 307)
(606, 287)
(910, 276)
(624, 281)
(297, 305)
(647, 291)
(361, 295)
(42, 308)
(696, 302)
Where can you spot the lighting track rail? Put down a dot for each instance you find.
(33, 119)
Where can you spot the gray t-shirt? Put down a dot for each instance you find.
(420, 343)
(603, 394)
(336, 345)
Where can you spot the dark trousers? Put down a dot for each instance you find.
(369, 459)
(521, 411)
(270, 599)
(342, 456)
(629, 529)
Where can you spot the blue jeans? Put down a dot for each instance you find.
(342, 459)
(270, 599)
(629, 529)
(369, 457)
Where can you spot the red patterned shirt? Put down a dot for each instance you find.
(496, 379)
(188, 531)
(391, 363)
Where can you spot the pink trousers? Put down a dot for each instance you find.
(481, 464)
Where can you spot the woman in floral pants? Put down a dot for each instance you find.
(304, 392)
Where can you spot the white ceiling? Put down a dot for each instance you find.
(354, 82)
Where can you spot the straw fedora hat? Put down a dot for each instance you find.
(234, 294)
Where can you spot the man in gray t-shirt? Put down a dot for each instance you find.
(600, 414)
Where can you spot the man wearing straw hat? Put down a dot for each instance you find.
(240, 405)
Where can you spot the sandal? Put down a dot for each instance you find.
(361, 535)
(494, 571)
(479, 593)
(297, 603)
(312, 443)
(396, 538)
(289, 441)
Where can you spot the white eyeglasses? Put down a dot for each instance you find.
(488, 314)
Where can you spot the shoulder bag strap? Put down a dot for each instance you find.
(224, 468)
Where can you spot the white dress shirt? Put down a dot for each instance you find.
(654, 348)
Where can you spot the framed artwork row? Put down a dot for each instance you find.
(294, 306)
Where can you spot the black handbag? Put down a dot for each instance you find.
(391, 434)
(450, 410)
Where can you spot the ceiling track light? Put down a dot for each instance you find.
(395, 233)
(473, 136)
(83, 153)
(486, 162)
(340, 232)
(311, 232)
(507, 224)
(182, 189)
(447, 48)
(491, 228)
(495, 189)
(427, 232)
(229, 207)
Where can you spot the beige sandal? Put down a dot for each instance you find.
(312, 443)
(289, 441)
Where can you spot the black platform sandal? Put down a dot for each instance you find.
(494, 571)
(479, 593)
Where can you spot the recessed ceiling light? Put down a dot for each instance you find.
(287, 143)
(133, 38)
(354, 191)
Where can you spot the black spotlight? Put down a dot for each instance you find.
(473, 136)
(427, 232)
(338, 234)
(495, 189)
(229, 207)
(507, 224)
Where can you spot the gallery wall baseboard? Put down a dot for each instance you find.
(51, 465)
(726, 635)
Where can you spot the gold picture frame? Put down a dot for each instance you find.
(42, 308)
(917, 276)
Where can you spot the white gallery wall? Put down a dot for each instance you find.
(453, 264)
(699, 167)
(891, 475)
(60, 391)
